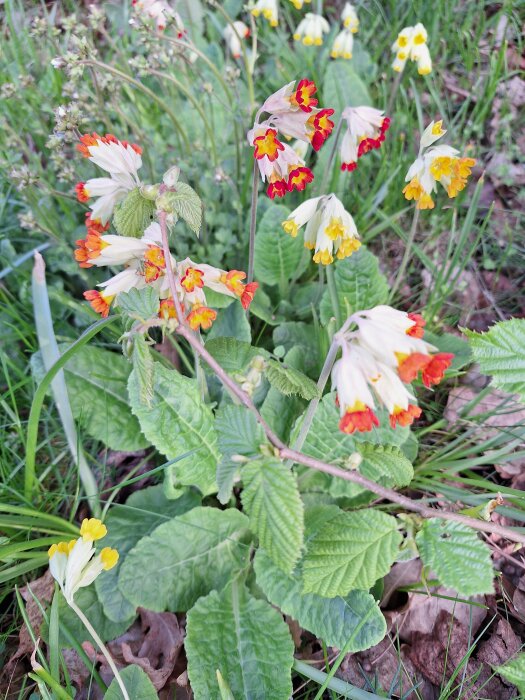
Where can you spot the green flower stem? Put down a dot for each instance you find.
(346, 690)
(332, 290)
(253, 220)
(393, 92)
(38, 401)
(407, 253)
(326, 174)
(152, 95)
(101, 646)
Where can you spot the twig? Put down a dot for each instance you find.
(285, 452)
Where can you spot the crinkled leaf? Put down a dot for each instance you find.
(289, 381)
(350, 551)
(97, 387)
(140, 304)
(144, 368)
(296, 334)
(233, 355)
(245, 639)
(136, 682)
(514, 672)
(386, 465)
(185, 203)
(185, 558)
(144, 511)
(133, 215)
(231, 322)
(359, 283)
(278, 410)
(238, 433)
(458, 557)
(500, 353)
(334, 620)
(278, 257)
(178, 421)
(271, 499)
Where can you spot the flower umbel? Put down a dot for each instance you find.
(436, 164)
(330, 230)
(365, 131)
(269, 9)
(310, 29)
(380, 358)
(75, 565)
(411, 44)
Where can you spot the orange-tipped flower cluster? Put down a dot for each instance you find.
(380, 359)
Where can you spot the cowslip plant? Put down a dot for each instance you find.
(294, 467)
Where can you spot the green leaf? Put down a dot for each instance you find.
(359, 283)
(127, 524)
(278, 256)
(342, 87)
(447, 342)
(280, 411)
(386, 465)
(296, 334)
(238, 433)
(136, 682)
(271, 499)
(326, 442)
(500, 353)
(144, 368)
(458, 557)
(350, 551)
(185, 559)
(178, 421)
(290, 381)
(97, 387)
(133, 215)
(514, 672)
(245, 639)
(88, 601)
(233, 355)
(231, 322)
(186, 203)
(332, 619)
(140, 304)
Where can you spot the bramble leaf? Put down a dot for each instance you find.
(133, 215)
(271, 499)
(334, 620)
(243, 638)
(290, 381)
(350, 551)
(500, 353)
(177, 421)
(458, 557)
(185, 203)
(140, 304)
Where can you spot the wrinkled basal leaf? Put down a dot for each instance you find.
(271, 499)
(144, 511)
(231, 322)
(349, 552)
(359, 283)
(514, 672)
(458, 557)
(177, 421)
(245, 639)
(88, 601)
(278, 256)
(185, 558)
(334, 620)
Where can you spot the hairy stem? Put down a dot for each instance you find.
(335, 141)
(253, 221)
(287, 453)
(393, 92)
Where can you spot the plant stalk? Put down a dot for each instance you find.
(253, 221)
(407, 253)
(101, 646)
